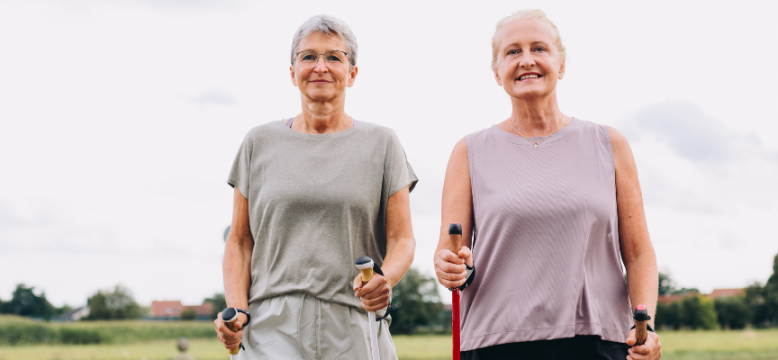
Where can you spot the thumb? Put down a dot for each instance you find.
(465, 254)
(631, 340)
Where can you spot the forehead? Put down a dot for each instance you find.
(525, 31)
(322, 42)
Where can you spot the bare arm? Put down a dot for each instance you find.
(237, 268)
(457, 206)
(637, 252)
(400, 247)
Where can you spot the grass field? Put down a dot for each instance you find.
(680, 345)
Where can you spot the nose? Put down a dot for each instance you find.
(321, 65)
(526, 61)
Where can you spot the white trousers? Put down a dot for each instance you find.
(300, 327)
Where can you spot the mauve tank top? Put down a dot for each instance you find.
(546, 245)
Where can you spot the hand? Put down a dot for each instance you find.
(230, 339)
(651, 350)
(374, 295)
(450, 268)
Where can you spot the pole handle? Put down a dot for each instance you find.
(367, 274)
(455, 237)
(229, 316)
(641, 321)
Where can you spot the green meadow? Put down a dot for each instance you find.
(150, 340)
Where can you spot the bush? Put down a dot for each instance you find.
(698, 312)
(668, 315)
(416, 304)
(733, 312)
(117, 304)
(188, 314)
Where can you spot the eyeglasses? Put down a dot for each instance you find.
(332, 57)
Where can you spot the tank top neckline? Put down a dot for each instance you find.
(518, 140)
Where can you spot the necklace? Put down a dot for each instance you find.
(536, 143)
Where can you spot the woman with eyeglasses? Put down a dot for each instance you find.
(312, 193)
(551, 207)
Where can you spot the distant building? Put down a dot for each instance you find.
(171, 310)
(74, 315)
(724, 293)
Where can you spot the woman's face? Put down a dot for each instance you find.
(528, 64)
(325, 80)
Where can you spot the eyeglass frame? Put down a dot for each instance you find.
(325, 59)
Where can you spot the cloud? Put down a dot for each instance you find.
(215, 97)
(691, 133)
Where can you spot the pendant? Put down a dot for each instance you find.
(536, 144)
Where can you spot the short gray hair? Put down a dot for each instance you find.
(328, 25)
(535, 14)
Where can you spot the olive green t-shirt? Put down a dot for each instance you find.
(317, 202)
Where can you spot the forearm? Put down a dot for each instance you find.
(398, 259)
(643, 281)
(237, 273)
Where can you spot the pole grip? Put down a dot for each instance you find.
(229, 316)
(641, 321)
(455, 237)
(367, 274)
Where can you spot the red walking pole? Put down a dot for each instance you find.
(641, 324)
(455, 239)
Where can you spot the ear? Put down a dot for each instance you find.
(352, 76)
(497, 77)
(292, 75)
(561, 70)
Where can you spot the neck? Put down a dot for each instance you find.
(536, 116)
(322, 117)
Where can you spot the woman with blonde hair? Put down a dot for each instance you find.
(550, 206)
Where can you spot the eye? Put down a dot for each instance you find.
(334, 58)
(307, 57)
(512, 52)
(539, 48)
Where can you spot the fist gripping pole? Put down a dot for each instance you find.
(455, 243)
(641, 321)
(229, 316)
(365, 265)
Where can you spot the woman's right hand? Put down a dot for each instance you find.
(229, 338)
(450, 268)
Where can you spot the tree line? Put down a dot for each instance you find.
(757, 306)
(417, 306)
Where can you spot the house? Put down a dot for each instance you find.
(724, 293)
(74, 315)
(171, 310)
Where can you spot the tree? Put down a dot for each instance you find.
(698, 312)
(116, 304)
(666, 285)
(770, 310)
(24, 302)
(415, 303)
(667, 315)
(188, 314)
(733, 312)
(219, 303)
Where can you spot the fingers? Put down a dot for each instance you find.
(450, 269)
(652, 349)
(229, 338)
(358, 281)
(376, 282)
(375, 294)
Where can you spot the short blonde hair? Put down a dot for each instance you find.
(536, 14)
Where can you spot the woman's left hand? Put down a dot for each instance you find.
(374, 295)
(651, 350)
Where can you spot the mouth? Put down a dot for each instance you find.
(529, 76)
(320, 81)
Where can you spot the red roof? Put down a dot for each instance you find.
(718, 293)
(166, 309)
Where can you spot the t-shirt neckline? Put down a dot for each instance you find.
(518, 140)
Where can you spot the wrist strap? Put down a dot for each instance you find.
(648, 327)
(248, 316)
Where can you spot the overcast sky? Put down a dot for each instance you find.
(119, 121)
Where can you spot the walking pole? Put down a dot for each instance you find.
(365, 264)
(455, 239)
(229, 316)
(641, 321)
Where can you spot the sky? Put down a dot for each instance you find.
(120, 119)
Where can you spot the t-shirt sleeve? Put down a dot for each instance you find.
(239, 175)
(400, 173)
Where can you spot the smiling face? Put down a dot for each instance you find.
(528, 62)
(323, 81)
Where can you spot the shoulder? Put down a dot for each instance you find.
(375, 130)
(619, 143)
(267, 130)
